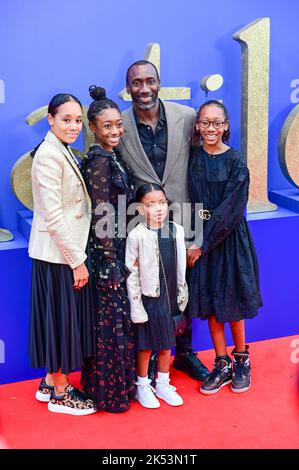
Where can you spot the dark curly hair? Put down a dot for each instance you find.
(100, 102)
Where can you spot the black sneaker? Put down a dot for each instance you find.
(241, 371)
(44, 391)
(73, 402)
(189, 362)
(221, 375)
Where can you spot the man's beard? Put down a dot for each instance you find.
(149, 104)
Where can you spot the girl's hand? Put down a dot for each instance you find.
(193, 254)
(115, 286)
(81, 276)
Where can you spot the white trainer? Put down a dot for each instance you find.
(168, 393)
(145, 394)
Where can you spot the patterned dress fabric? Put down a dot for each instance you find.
(109, 377)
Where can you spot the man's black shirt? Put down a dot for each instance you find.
(154, 143)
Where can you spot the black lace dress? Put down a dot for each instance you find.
(225, 280)
(109, 377)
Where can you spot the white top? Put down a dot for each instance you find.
(142, 258)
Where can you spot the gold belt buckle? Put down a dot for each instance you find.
(204, 214)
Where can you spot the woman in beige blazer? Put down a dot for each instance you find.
(61, 311)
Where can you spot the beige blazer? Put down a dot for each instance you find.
(180, 121)
(62, 207)
(142, 258)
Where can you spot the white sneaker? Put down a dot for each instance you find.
(168, 393)
(145, 394)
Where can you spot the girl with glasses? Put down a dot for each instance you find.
(223, 269)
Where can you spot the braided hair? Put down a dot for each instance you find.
(100, 102)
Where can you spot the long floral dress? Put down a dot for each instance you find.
(225, 280)
(109, 377)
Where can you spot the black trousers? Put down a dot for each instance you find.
(184, 341)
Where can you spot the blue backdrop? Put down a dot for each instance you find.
(56, 46)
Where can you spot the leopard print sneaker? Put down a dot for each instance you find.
(44, 391)
(73, 402)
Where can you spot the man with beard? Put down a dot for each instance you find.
(155, 146)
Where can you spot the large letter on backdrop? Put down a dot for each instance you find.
(289, 147)
(255, 45)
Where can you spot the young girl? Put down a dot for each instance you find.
(224, 279)
(156, 257)
(109, 377)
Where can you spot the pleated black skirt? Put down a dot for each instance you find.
(61, 319)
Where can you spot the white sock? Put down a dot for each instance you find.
(163, 376)
(142, 380)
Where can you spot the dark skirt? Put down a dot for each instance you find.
(158, 332)
(61, 319)
(225, 282)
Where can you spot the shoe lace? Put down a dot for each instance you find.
(218, 368)
(165, 383)
(77, 394)
(146, 385)
(241, 368)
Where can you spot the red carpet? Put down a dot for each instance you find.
(267, 416)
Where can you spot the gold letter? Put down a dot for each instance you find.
(255, 46)
(288, 147)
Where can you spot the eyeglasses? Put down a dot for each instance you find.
(204, 123)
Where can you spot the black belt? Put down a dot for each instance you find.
(205, 214)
